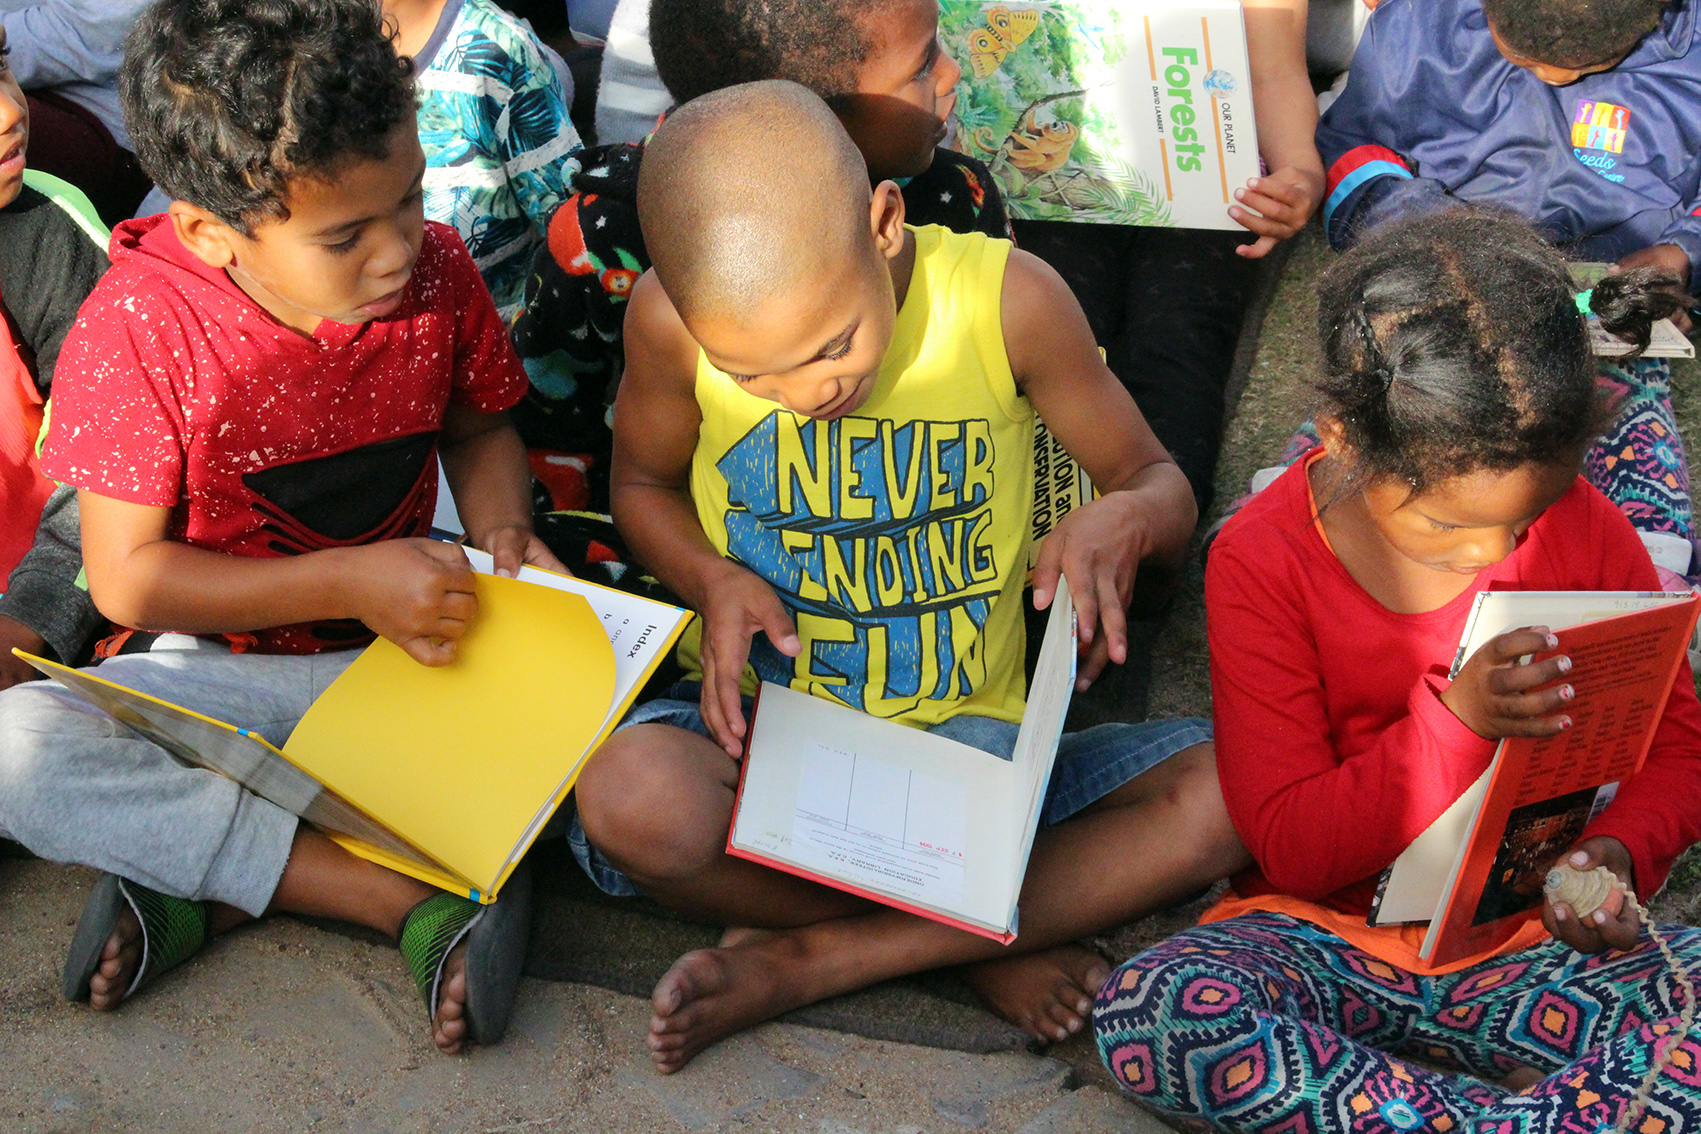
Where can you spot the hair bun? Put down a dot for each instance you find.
(1630, 303)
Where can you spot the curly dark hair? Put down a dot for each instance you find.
(227, 100)
(1573, 33)
(1453, 343)
(706, 45)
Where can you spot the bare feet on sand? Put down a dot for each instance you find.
(1048, 994)
(118, 963)
(711, 993)
(449, 1026)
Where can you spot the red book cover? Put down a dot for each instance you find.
(1544, 791)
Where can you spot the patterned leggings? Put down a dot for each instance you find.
(1639, 464)
(1267, 1023)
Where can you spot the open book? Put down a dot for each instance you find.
(899, 815)
(1664, 341)
(1476, 873)
(444, 773)
(1137, 112)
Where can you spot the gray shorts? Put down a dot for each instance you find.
(1090, 764)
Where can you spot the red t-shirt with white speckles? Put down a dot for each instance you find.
(177, 390)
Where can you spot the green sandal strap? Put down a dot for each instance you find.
(173, 930)
(429, 932)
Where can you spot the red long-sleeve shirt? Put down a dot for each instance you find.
(1334, 748)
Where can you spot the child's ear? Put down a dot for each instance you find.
(886, 218)
(210, 239)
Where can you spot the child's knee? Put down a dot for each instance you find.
(1199, 793)
(648, 801)
(32, 745)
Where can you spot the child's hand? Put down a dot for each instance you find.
(739, 605)
(1097, 548)
(1497, 697)
(1600, 930)
(1286, 198)
(418, 593)
(13, 669)
(512, 547)
(1667, 258)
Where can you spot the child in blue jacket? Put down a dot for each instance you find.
(1584, 119)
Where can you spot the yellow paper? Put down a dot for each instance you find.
(463, 757)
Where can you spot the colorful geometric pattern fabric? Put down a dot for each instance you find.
(1639, 465)
(1267, 1023)
(499, 146)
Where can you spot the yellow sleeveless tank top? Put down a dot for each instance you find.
(896, 536)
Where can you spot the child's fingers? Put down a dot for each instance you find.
(1046, 569)
(1522, 678)
(1089, 667)
(1113, 618)
(1538, 726)
(776, 623)
(1276, 189)
(1514, 644)
(1258, 248)
(1272, 209)
(428, 651)
(538, 555)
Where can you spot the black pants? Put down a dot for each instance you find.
(1166, 305)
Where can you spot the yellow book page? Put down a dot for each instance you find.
(460, 759)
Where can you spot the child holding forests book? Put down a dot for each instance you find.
(251, 405)
(794, 329)
(1459, 399)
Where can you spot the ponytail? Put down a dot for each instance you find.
(1630, 303)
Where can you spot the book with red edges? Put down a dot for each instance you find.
(899, 815)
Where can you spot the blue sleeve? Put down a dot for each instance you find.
(1685, 232)
(71, 41)
(1363, 136)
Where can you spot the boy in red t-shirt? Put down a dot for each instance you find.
(252, 405)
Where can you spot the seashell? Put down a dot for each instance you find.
(1585, 891)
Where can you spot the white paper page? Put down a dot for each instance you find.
(1042, 720)
(904, 826)
(881, 807)
(637, 628)
(1496, 612)
(1418, 876)
(1664, 341)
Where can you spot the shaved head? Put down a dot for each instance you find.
(750, 191)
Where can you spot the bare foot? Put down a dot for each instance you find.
(449, 1025)
(1521, 1079)
(711, 993)
(118, 963)
(742, 935)
(1048, 994)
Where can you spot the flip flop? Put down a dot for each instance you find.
(496, 937)
(173, 930)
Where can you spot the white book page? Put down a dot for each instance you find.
(881, 807)
(1496, 612)
(1664, 341)
(1415, 881)
(637, 628)
(1042, 720)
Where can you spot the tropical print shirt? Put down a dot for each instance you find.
(499, 146)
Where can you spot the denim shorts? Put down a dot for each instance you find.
(1090, 764)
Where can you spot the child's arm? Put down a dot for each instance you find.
(416, 592)
(1286, 112)
(1362, 137)
(1145, 512)
(485, 463)
(656, 422)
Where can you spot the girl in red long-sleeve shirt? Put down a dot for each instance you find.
(1460, 399)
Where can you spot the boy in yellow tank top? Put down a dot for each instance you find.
(823, 440)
